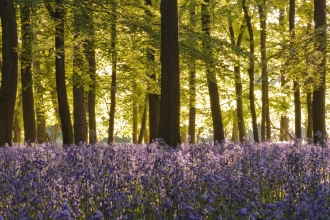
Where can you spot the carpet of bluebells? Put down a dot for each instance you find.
(204, 181)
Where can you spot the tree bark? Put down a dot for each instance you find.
(153, 97)
(113, 76)
(251, 73)
(192, 80)
(26, 76)
(319, 92)
(90, 56)
(284, 124)
(265, 120)
(143, 122)
(9, 75)
(218, 128)
(135, 121)
(296, 87)
(309, 101)
(58, 14)
(40, 112)
(79, 113)
(238, 83)
(169, 124)
(17, 128)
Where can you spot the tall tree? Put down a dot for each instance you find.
(114, 73)
(9, 75)
(284, 124)
(297, 102)
(57, 12)
(192, 79)
(90, 56)
(79, 113)
(153, 97)
(251, 72)
(265, 119)
(319, 91)
(40, 111)
(169, 125)
(238, 80)
(135, 121)
(26, 75)
(218, 128)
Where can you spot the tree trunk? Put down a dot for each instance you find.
(40, 112)
(9, 74)
(309, 101)
(90, 56)
(26, 76)
(218, 128)
(265, 120)
(17, 130)
(296, 87)
(79, 113)
(251, 73)
(284, 124)
(192, 80)
(238, 81)
(143, 121)
(319, 92)
(58, 14)
(169, 124)
(135, 121)
(113, 76)
(234, 136)
(239, 103)
(154, 102)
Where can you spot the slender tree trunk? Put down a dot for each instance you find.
(309, 101)
(91, 92)
(143, 122)
(319, 92)
(113, 76)
(239, 103)
(17, 128)
(135, 121)
(40, 112)
(238, 81)
(234, 136)
(284, 124)
(192, 80)
(26, 76)
(265, 120)
(9, 74)
(79, 113)
(169, 124)
(309, 94)
(154, 102)
(218, 128)
(251, 73)
(58, 14)
(90, 56)
(41, 125)
(296, 88)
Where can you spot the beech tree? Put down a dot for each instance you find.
(26, 75)
(169, 124)
(57, 12)
(320, 73)
(9, 71)
(211, 76)
(251, 71)
(113, 73)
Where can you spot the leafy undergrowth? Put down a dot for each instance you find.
(206, 181)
